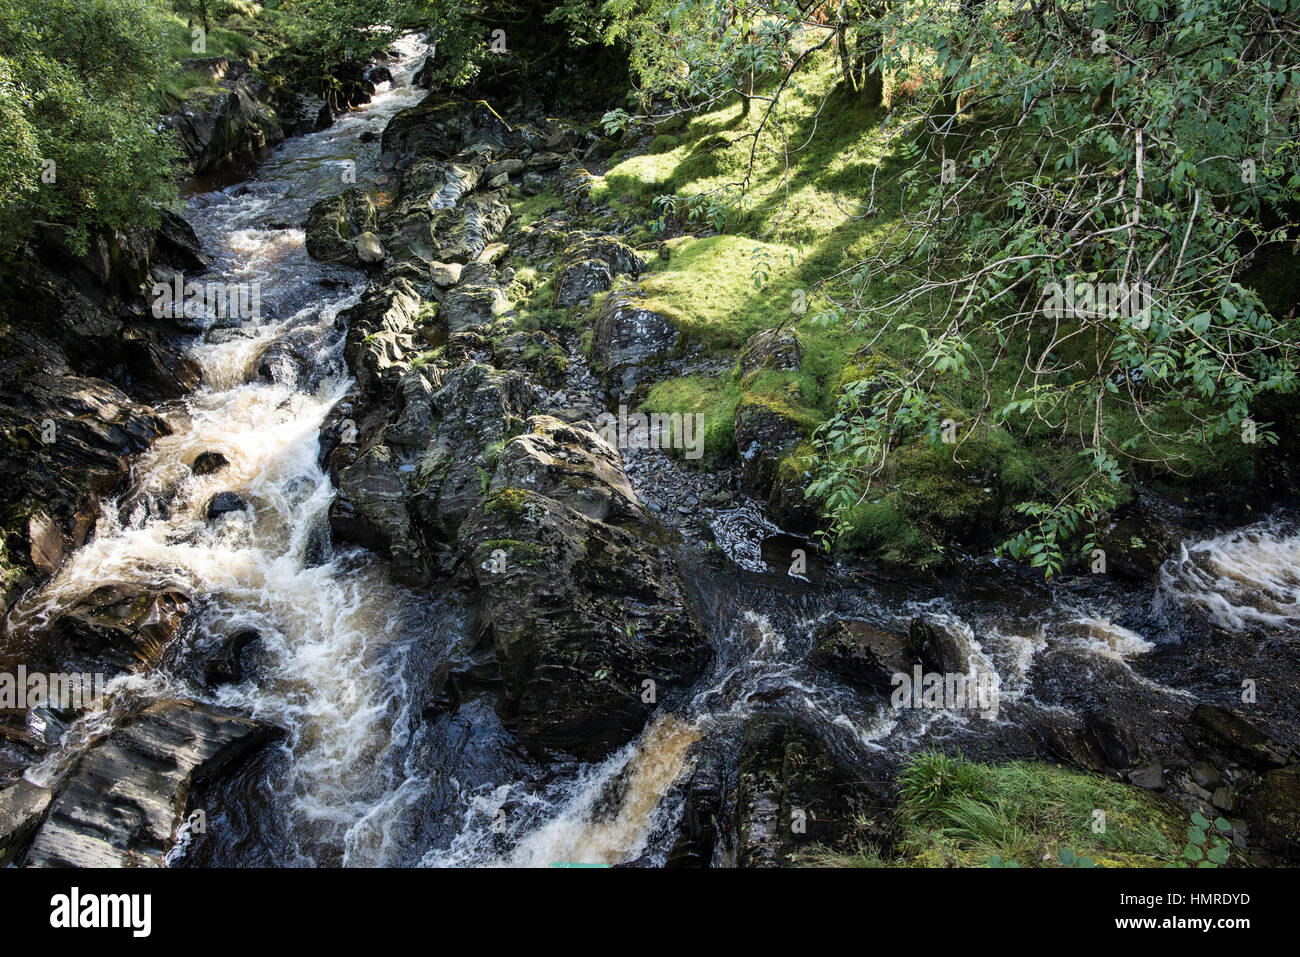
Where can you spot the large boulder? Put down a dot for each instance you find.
(123, 802)
(631, 342)
(589, 621)
(430, 128)
(478, 409)
(790, 793)
(334, 225)
(117, 627)
(862, 653)
(228, 120)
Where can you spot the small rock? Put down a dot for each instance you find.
(1205, 774)
(445, 274)
(493, 253)
(1226, 800)
(224, 502)
(507, 167)
(541, 161)
(1150, 776)
(208, 462)
(369, 248)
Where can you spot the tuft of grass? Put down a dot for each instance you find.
(955, 812)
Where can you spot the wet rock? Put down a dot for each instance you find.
(790, 793)
(866, 656)
(766, 432)
(424, 77)
(777, 349)
(939, 647)
(48, 546)
(703, 811)
(430, 128)
(582, 614)
(370, 510)
(333, 225)
(1273, 810)
(1137, 542)
(631, 343)
(223, 503)
(1216, 728)
(117, 627)
(22, 808)
(124, 800)
(223, 665)
(206, 463)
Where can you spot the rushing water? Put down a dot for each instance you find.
(365, 774)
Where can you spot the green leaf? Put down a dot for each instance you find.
(1219, 854)
(1193, 853)
(1066, 857)
(1222, 824)
(1195, 835)
(1200, 820)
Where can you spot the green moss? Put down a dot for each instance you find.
(530, 209)
(508, 501)
(715, 398)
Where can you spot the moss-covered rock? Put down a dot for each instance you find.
(334, 224)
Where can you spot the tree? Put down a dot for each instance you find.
(80, 143)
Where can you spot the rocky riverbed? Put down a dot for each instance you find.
(375, 586)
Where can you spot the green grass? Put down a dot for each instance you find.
(958, 813)
(716, 398)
